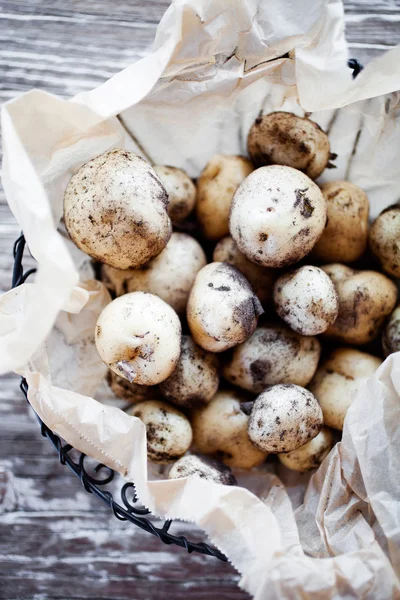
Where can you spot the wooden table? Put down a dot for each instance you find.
(56, 541)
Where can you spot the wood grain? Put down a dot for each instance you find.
(56, 541)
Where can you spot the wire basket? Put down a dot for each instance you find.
(128, 509)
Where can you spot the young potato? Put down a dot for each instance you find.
(220, 428)
(195, 380)
(345, 236)
(277, 215)
(138, 336)
(116, 280)
(282, 138)
(283, 418)
(365, 299)
(311, 455)
(261, 279)
(306, 300)
(115, 210)
(168, 431)
(391, 333)
(172, 273)
(273, 354)
(204, 467)
(222, 310)
(215, 188)
(131, 392)
(384, 239)
(338, 380)
(180, 189)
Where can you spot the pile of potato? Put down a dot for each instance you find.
(216, 337)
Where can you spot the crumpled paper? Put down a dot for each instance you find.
(213, 67)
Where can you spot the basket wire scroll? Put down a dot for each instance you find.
(128, 509)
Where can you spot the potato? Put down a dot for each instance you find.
(220, 428)
(131, 392)
(172, 273)
(345, 236)
(391, 333)
(384, 239)
(222, 310)
(283, 418)
(311, 455)
(338, 380)
(180, 189)
(168, 431)
(195, 380)
(365, 299)
(215, 188)
(138, 336)
(273, 354)
(192, 465)
(115, 210)
(277, 215)
(282, 138)
(261, 279)
(116, 280)
(306, 300)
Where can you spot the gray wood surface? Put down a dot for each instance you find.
(56, 541)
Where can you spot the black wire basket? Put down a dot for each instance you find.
(128, 509)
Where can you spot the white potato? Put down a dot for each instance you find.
(384, 240)
(311, 455)
(391, 333)
(180, 189)
(193, 465)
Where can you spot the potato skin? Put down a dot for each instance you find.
(273, 354)
(131, 392)
(277, 215)
(220, 428)
(365, 299)
(180, 189)
(115, 210)
(306, 299)
(172, 273)
(338, 380)
(222, 310)
(138, 336)
(345, 236)
(193, 465)
(168, 431)
(260, 278)
(281, 138)
(116, 280)
(195, 380)
(283, 418)
(391, 333)
(311, 455)
(215, 188)
(384, 240)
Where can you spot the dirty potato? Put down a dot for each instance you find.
(384, 240)
(138, 336)
(273, 354)
(195, 380)
(171, 274)
(311, 455)
(115, 210)
(215, 188)
(338, 380)
(391, 333)
(131, 392)
(180, 189)
(168, 431)
(277, 215)
(306, 299)
(283, 418)
(222, 310)
(345, 236)
(365, 299)
(260, 278)
(220, 428)
(282, 138)
(193, 465)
